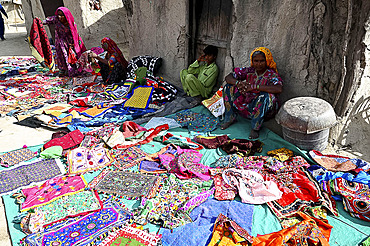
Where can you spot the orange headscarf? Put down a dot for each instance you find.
(269, 60)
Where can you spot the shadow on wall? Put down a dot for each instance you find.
(354, 137)
(113, 24)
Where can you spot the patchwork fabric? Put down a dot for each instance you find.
(310, 231)
(125, 183)
(333, 163)
(185, 164)
(83, 159)
(300, 191)
(140, 97)
(165, 207)
(23, 175)
(163, 91)
(84, 230)
(14, 157)
(152, 63)
(131, 236)
(227, 232)
(71, 205)
(51, 190)
(356, 196)
(117, 91)
(126, 158)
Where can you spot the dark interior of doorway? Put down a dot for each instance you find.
(49, 8)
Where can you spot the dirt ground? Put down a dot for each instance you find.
(13, 136)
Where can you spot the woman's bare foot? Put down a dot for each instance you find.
(253, 134)
(227, 124)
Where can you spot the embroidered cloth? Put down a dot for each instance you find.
(250, 186)
(131, 236)
(71, 205)
(126, 158)
(125, 183)
(196, 122)
(356, 196)
(310, 231)
(228, 232)
(140, 97)
(333, 163)
(51, 190)
(14, 157)
(185, 163)
(24, 174)
(83, 159)
(164, 207)
(84, 230)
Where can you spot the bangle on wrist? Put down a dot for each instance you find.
(236, 82)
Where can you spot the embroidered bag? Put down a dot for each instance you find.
(215, 104)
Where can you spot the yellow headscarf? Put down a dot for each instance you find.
(269, 60)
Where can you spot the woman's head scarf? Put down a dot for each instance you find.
(269, 60)
(112, 48)
(78, 44)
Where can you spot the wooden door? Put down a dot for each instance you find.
(210, 25)
(49, 8)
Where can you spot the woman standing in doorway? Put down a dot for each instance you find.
(67, 41)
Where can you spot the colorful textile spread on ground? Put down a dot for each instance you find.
(165, 207)
(52, 189)
(25, 86)
(84, 230)
(80, 203)
(25, 174)
(227, 232)
(356, 196)
(125, 183)
(14, 157)
(82, 159)
(126, 158)
(140, 97)
(131, 236)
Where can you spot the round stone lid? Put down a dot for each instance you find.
(306, 115)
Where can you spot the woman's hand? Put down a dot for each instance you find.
(93, 55)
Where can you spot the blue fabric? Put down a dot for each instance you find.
(204, 217)
(324, 175)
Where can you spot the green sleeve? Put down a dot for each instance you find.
(210, 79)
(194, 68)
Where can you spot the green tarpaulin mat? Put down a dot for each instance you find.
(347, 231)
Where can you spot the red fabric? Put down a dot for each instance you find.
(39, 39)
(68, 141)
(112, 48)
(131, 129)
(72, 59)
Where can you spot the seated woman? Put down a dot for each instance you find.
(66, 37)
(113, 66)
(252, 92)
(199, 79)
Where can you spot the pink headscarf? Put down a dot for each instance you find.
(77, 40)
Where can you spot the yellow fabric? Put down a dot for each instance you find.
(222, 235)
(269, 59)
(140, 97)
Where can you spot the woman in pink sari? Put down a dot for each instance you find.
(67, 41)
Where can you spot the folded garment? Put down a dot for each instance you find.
(68, 141)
